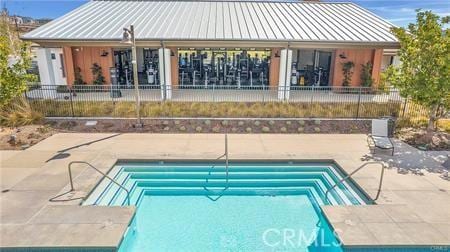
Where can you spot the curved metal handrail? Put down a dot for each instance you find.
(355, 171)
(226, 170)
(104, 175)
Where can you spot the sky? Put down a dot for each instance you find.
(398, 12)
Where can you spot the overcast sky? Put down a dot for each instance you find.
(399, 12)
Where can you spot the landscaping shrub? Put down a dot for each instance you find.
(222, 109)
(19, 113)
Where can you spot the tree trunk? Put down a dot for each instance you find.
(432, 118)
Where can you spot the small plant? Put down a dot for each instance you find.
(317, 122)
(241, 123)
(78, 78)
(182, 128)
(288, 122)
(167, 128)
(300, 129)
(234, 130)
(347, 71)
(283, 129)
(224, 123)
(257, 123)
(165, 123)
(99, 79)
(272, 122)
(316, 129)
(177, 122)
(265, 129)
(366, 74)
(301, 123)
(198, 129)
(216, 129)
(207, 122)
(248, 130)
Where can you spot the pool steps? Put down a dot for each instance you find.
(198, 180)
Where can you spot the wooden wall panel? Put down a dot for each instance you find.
(68, 65)
(377, 60)
(274, 68)
(85, 57)
(359, 57)
(174, 66)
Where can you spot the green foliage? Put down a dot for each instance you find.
(78, 78)
(99, 79)
(423, 75)
(366, 74)
(347, 71)
(14, 63)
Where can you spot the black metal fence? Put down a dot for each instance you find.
(221, 101)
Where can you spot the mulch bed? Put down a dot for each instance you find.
(23, 137)
(217, 126)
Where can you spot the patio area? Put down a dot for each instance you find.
(411, 211)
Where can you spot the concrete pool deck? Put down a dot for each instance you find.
(412, 209)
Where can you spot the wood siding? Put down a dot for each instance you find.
(274, 68)
(174, 66)
(68, 65)
(358, 57)
(85, 57)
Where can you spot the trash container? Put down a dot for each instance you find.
(115, 90)
(391, 125)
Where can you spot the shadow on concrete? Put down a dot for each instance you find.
(409, 159)
(62, 153)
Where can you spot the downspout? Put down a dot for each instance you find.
(164, 71)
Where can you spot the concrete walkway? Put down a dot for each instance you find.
(412, 209)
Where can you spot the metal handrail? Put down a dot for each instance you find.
(355, 171)
(226, 168)
(104, 175)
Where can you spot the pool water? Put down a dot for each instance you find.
(262, 207)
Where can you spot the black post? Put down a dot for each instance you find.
(71, 102)
(359, 103)
(404, 107)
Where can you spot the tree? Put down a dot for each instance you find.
(78, 78)
(423, 75)
(347, 71)
(99, 79)
(366, 74)
(14, 63)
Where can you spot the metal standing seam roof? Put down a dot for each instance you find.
(218, 21)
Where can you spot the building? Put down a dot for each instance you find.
(187, 43)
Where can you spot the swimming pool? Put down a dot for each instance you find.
(194, 207)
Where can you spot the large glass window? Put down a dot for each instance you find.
(311, 67)
(204, 67)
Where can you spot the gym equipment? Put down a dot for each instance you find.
(294, 74)
(151, 63)
(221, 67)
(122, 64)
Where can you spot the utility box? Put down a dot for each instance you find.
(115, 90)
(391, 125)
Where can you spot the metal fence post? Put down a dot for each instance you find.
(359, 103)
(404, 107)
(71, 103)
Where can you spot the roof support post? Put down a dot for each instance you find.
(165, 72)
(285, 73)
